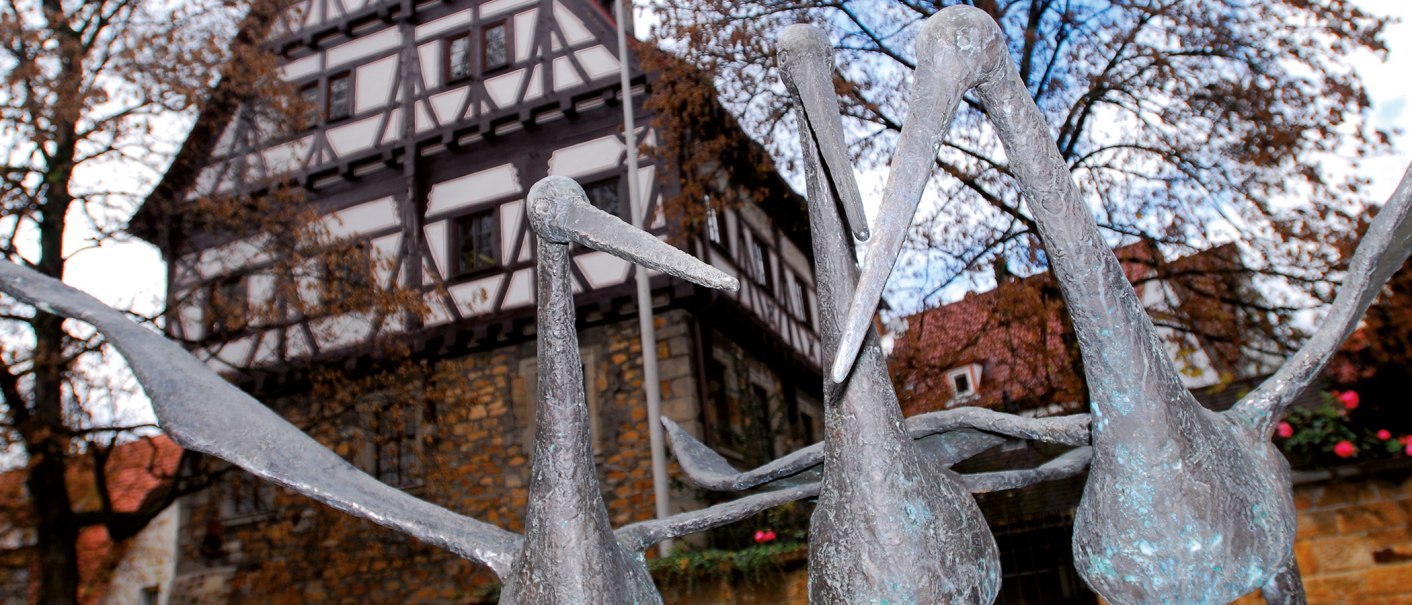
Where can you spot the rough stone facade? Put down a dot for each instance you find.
(473, 443)
(1354, 546)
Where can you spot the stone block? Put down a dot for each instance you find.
(1371, 516)
(1304, 556)
(1340, 588)
(1342, 553)
(1317, 524)
(1389, 580)
(1346, 492)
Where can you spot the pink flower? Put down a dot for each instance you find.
(1348, 398)
(1409, 448)
(764, 535)
(1284, 430)
(1384, 435)
(1344, 449)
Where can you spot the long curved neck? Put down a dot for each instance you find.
(1134, 386)
(565, 504)
(862, 419)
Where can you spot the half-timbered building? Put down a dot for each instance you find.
(425, 124)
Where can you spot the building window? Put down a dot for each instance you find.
(476, 243)
(309, 111)
(227, 307)
(347, 274)
(726, 414)
(760, 261)
(713, 223)
(458, 57)
(249, 495)
(396, 447)
(495, 46)
(340, 96)
(605, 195)
(965, 381)
(798, 299)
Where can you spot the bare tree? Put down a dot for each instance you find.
(1187, 123)
(93, 99)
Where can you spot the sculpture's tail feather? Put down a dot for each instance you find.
(1384, 248)
(203, 412)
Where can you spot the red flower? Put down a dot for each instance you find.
(1349, 399)
(1284, 430)
(1384, 435)
(1344, 449)
(1409, 448)
(764, 535)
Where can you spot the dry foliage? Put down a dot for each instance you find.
(95, 98)
(1189, 124)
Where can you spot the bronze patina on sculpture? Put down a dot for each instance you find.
(1182, 505)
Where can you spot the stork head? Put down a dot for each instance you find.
(560, 212)
(806, 62)
(959, 48)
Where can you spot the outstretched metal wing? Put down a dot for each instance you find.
(203, 412)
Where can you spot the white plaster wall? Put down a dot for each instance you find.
(150, 560)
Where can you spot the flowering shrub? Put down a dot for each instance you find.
(1324, 435)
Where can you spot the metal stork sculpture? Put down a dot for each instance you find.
(569, 553)
(1182, 505)
(893, 523)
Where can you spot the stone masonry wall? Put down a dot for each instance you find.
(475, 444)
(1354, 546)
(1355, 535)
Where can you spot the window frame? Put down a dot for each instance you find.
(484, 46)
(457, 271)
(971, 373)
(215, 323)
(329, 115)
(405, 443)
(247, 488)
(328, 294)
(447, 43)
(713, 224)
(760, 263)
(617, 180)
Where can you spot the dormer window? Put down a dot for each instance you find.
(965, 381)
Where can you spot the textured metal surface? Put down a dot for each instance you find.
(890, 525)
(1182, 505)
(203, 412)
(950, 443)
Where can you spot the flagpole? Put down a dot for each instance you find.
(650, 383)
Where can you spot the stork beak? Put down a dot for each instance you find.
(806, 62)
(560, 211)
(933, 105)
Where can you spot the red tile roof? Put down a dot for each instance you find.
(135, 471)
(1020, 338)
